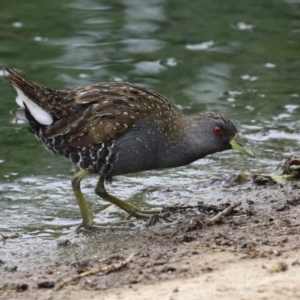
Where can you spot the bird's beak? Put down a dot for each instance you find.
(237, 144)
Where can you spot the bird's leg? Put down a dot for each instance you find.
(129, 208)
(87, 218)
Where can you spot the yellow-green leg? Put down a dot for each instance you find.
(129, 208)
(87, 218)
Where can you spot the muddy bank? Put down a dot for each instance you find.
(252, 253)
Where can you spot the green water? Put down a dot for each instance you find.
(241, 58)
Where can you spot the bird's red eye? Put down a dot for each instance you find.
(218, 130)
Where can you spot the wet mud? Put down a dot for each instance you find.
(259, 237)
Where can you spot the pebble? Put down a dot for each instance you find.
(11, 268)
(45, 284)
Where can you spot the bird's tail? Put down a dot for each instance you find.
(34, 99)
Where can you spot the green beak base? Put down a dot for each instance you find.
(238, 145)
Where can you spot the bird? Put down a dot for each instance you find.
(117, 128)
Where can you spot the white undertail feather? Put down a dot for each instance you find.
(39, 114)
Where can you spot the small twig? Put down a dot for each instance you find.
(294, 225)
(101, 270)
(224, 212)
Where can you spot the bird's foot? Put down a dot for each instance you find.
(142, 214)
(88, 227)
